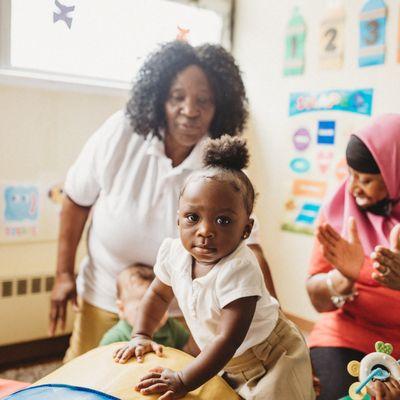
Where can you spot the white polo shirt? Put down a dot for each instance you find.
(135, 190)
(202, 299)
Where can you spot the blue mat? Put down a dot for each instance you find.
(57, 392)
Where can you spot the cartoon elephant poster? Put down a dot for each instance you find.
(29, 211)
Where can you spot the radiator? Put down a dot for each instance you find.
(25, 308)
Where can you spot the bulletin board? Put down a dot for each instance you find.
(321, 121)
(319, 127)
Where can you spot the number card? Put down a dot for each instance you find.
(332, 38)
(372, 33)
(295, 41)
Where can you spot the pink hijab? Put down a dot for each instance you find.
(382, 137)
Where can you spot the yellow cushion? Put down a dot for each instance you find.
(97, 370)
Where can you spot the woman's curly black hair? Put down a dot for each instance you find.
(145, 108)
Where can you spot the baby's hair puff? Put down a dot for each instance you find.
(226, 152)
(223, 160)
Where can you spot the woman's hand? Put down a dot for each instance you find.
(64, 289)
(137, 347)
(345, 255)
(387, 261)
(162, 381)
(389, 390)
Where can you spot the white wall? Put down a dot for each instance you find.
(259, 48)
(41, 131)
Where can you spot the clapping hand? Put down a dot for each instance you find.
(387, 261)
(345, 255)
(137, 347)
(162, 381)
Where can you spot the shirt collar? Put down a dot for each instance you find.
(155, 146)
(195, 159)
(192, 162)
(186, 261)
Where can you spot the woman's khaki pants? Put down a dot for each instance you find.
(279, 368)
(90, 324)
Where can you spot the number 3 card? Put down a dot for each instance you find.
(372, 33)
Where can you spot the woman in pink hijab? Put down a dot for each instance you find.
(354, 277)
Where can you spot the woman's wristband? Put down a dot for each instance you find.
(338, 299)
(341, 284)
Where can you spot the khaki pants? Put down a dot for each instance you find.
(90, 324)
(279, 368)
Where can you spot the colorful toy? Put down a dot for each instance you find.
(379, 365)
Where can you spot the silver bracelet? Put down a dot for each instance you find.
(337, 299)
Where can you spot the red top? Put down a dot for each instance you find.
(373, 315)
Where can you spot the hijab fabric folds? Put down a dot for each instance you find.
(382, 137)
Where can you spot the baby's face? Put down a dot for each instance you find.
(212, 219)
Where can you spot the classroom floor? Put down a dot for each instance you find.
(30, 373)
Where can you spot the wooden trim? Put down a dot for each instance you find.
(304, 324)
(15, 355)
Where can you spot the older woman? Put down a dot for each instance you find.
(129, 174)
(355, 266)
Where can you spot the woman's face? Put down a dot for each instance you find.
(367, 189)
(190, 107)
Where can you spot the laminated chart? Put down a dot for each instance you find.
(319, 127)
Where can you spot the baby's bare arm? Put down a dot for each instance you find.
(152, 307)
(235, 321)
(191, 347)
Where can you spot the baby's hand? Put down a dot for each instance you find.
(137, 347)
(162, 381)
(389, 390)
